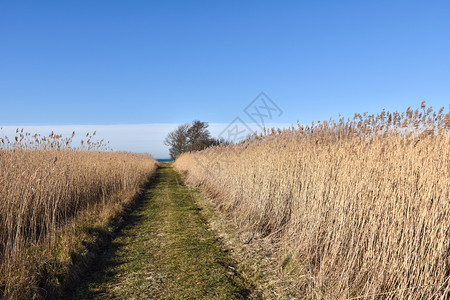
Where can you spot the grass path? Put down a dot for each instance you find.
(165, 251)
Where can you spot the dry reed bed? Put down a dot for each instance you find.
(362, 205)
(43, 191)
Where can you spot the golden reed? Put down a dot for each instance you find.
(46, 186)
(362, 205)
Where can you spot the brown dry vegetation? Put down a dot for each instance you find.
(362, 205)
(51, 198)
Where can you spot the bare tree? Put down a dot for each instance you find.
(178, 141)
(190, 137)
(199, 136)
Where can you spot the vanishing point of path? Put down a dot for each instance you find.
(165, 251)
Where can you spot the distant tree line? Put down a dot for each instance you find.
(190, 137)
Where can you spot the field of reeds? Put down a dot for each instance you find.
(52, 198)
(361, 205)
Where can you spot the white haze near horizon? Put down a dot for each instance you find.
(142, 138)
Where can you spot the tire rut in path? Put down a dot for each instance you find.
(165, 251)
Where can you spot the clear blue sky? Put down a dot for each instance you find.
(134, 62)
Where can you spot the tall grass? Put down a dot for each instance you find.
(46, 189)
(361, 204)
